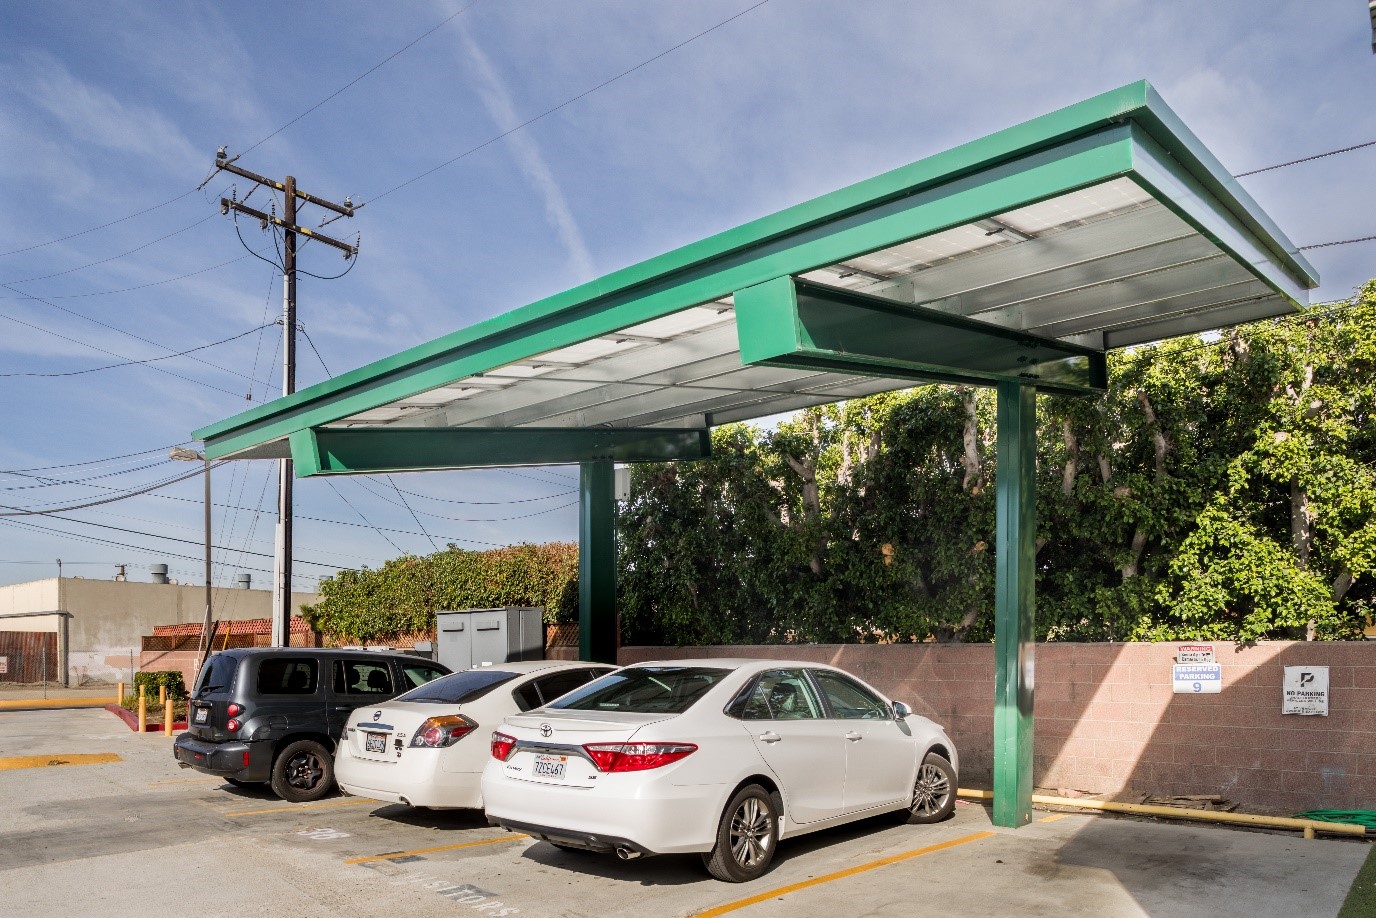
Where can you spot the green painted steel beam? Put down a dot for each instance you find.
(1082, 162)
(789, 322)
(1015, 549)
(597, 630)
(362, 450)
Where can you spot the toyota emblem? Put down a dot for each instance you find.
(546, 731)
(377, 715)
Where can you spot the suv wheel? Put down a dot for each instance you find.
(303, 771)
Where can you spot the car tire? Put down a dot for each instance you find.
(303, 771)
(934, 792)
(747, 837)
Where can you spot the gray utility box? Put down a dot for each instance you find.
(478, 637)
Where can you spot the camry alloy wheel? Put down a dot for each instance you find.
(930, 791)
(751, 832)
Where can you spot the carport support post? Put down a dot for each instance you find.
(1014, 603)
(596, 562)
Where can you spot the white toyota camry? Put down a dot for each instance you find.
(416, 749)
(721, 757)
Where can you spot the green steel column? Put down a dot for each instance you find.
(1015, 603)
(596, 562)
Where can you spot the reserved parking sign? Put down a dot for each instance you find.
(1197, 678)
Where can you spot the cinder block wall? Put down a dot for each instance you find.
(1107, 721)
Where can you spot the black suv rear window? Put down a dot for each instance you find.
(218, 675)
(459, 687)
(288, 676)
(644, 690)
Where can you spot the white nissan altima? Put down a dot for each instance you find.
(416, 749)
(721, 757)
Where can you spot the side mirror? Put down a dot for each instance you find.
(901, 710)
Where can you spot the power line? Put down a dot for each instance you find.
(25, 511)
(137, 213)
(386, 60)
(44, 468)
(1307, 159)
(102, 261)
(47, 482)
(169, 280)
(545, 114)
(364, 518)
(1324, 245)
(132, 363)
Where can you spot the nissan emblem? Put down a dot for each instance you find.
(377, 715)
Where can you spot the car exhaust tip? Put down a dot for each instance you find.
(626, 854)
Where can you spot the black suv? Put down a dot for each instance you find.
(275, 714)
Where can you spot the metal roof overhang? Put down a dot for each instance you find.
(1025, 255)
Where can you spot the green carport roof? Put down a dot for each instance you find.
(1024, 255)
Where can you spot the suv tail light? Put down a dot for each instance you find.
(439, 732)
(233, 725)
(611, 757)
(234, 710)
(502, 746)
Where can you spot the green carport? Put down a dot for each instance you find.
(1015, 261)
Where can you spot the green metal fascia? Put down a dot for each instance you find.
(1088, 116)
(354, 451)
(1165, 127)
(1162, 174)
(1082, 162)
(792, 323)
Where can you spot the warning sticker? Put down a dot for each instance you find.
(1305, 690)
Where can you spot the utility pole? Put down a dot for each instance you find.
(281, 588)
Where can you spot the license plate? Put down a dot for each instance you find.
(375, 742)
(202, 715)
(550, 766)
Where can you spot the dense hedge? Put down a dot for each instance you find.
(402, 597)
(149, 682)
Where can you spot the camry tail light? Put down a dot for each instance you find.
(438, 732)
(502, 746)
(611, 757)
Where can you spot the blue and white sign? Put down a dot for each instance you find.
(1197, 678)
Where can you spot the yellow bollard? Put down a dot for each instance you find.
(143, 711)
(162, 694)
(119, 693)
(166, 714)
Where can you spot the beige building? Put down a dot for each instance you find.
(98, 624)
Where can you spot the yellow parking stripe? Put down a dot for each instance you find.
(840, 875)
(1053, 817)
(27, 703)
(475, 844)
(301, 806)
(43, 761)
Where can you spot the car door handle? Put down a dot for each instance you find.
(769, 736)
(854, 737)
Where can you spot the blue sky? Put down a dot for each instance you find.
(111, 109)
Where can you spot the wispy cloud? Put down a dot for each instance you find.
(496, 98)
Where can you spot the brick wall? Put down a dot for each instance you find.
(1107, 721)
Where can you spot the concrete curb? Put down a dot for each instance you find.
(41, 704)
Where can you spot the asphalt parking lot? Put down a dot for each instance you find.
(125, 832)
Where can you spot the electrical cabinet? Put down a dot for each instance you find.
(479, 637)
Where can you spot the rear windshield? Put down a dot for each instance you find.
(218, 674)
(459, 687)
(644, 690)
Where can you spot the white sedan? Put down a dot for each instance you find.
(721, 757)
(416, 749)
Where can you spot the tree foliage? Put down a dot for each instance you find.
(1220, 489)
(400, 599)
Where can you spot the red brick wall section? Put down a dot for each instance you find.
(1107, 721)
